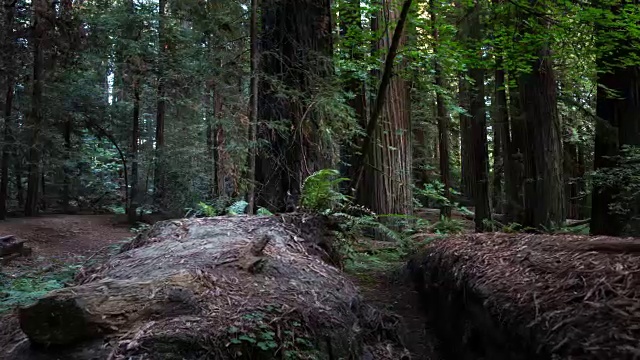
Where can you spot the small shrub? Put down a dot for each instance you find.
(320, 191)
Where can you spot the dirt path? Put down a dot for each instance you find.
(387, 289)
(66, 237)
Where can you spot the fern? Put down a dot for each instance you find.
(320, 191)
(237, 208)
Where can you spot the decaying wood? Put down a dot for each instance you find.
(10, 245)
(178, 289)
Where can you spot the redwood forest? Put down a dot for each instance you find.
(319, 179)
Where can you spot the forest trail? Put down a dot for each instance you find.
(387, 288)
(66, 237)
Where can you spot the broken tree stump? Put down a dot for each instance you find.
(217, 288)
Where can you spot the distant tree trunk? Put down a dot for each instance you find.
(296, 51)
(441, 114)
(7, 42)
(253, 106)
(350, 28)
(135, 136)
(386, 186)
(544, 194)
(503, 144)
(479, 149)
(161, 105)
(66, 186)
(40, 8)
(6, 149)
(218, 143)
(467, 180)
(618, 109)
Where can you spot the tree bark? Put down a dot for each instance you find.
(350, 17)
(253, 106)
(161, 106)
(296, 47)
(479, 150)
(503, 144)
(40, 8)
(441, 114)
(7, 60)
(386, 157)
(544, 190)
(135, 137)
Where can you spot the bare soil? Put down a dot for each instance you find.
(390, 289)
(65, 237)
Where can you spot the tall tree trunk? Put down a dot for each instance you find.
(40, 8)
(253, 106)
(350, 30)
(441, 115)
(618, 106)
(479, 150)
(66, 186)
(515, 209)
(296, 50)
(544, 194)
(161, 106)
(135, 136)
(467, 180)
(386, 150)
(503, 132)
(6, 60)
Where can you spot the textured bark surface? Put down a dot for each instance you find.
(296, 50)
(386, 184)
(478, 140)
(544, 180)
(176, 291)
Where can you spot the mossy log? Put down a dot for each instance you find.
(214, 288)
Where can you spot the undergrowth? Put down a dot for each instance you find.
(28, 287)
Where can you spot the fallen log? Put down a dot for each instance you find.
(212, 288)
(514, 296)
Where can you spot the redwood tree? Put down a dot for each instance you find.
(296, 48)
(386, 186)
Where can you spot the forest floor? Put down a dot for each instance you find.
(383, 283)
(62, 243)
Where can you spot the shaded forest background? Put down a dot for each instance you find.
(525, 111)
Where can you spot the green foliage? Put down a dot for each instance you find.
(320, 191)
(263, 212)
(260, 334)
(623, 180)
(448, 226)
(237, 208)
(207, 210)
(435, 191)
(31, 286)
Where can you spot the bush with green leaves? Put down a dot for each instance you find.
(623, 179)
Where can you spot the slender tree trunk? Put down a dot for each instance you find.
(297, 47)
(441, 114)
(350, 29)
(253, 106)
(503, 131)
(467, 180)
(7, 42)
(135, 136)
(480, 151)
(544, 194)
(516, 159)
(66, 186)
(40, 8)
(158, 179)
